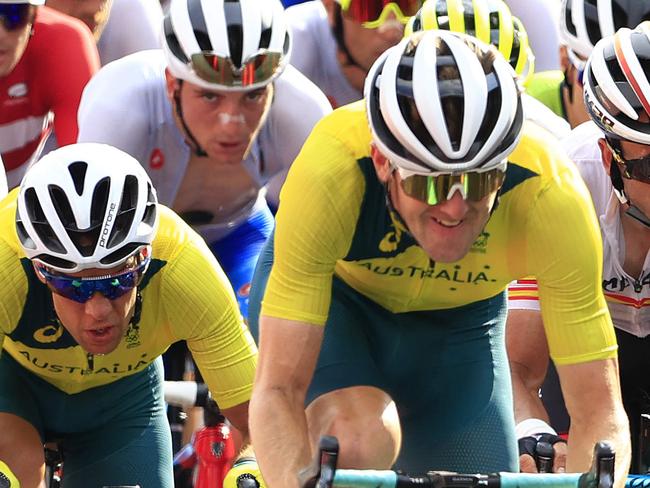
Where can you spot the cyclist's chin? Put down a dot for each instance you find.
(100, 340)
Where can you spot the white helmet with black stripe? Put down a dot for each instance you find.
(85, 205)
(584, 22)
(435, 107)
(617, 84)
(226, 44)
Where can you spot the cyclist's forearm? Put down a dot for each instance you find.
(279, 432)
(611, 426)
(527, 403)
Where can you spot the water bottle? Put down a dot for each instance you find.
(214, 448)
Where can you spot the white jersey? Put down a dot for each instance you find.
(314, 52)
(126, 105)
(628, 297)
(132, 26)
(541, 21)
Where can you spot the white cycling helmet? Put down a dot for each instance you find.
(584, 22)
(433, 107)
(617, 85)
(488, 20)
(226, 44)
(85, 206)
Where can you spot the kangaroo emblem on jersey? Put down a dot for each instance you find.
(391, 240)
(481, 242)
(49, 334)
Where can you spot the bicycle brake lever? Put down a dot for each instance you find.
(321, 473)
(544, 457)
(601, 474)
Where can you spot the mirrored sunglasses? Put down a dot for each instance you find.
(14, 16)
(374, 13)
(435, 189)
(82, 289)
(632, 169)
(220, 70)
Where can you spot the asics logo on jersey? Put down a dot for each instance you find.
(48, 334)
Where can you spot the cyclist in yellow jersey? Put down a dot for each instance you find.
(98, 280)
(394, 244)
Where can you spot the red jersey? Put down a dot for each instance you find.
(45, 85)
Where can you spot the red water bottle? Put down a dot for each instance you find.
(215, 449)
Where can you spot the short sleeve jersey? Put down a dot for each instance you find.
(185, 296)
(333, 220)
(44, 87)
(628, 297)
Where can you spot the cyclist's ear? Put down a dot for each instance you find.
(171, 83)
(381, 163)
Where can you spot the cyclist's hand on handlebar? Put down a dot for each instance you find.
(245, 473)
(542, 453)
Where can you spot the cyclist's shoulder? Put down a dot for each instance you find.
(53, 30)
(296, 99)
(349, 126)
(538, 152)
(307, 18)
(336, 148)
(141, 70)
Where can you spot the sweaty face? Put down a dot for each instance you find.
(99, 324)
(12, 45)
(93, 13)
(225, 124)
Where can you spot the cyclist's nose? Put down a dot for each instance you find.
(454, 208)
(98, 307)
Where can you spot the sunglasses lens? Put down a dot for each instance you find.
(437, 189)
(220, 70)
(370, 11)
(14, 15)
(81, 290)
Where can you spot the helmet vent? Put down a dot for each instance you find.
(38, 220)
(172, 41)
(126, 212)
(122, 253)
(78, 173)
(568, 21)
(232, 12)
(591, 21)
(149, 216)
(197, 19)
(62, 207)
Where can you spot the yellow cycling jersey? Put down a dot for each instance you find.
(185, 296)
(333, 220)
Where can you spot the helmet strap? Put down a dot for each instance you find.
(632, 210)
(178, 108)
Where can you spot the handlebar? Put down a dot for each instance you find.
(323, 474)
